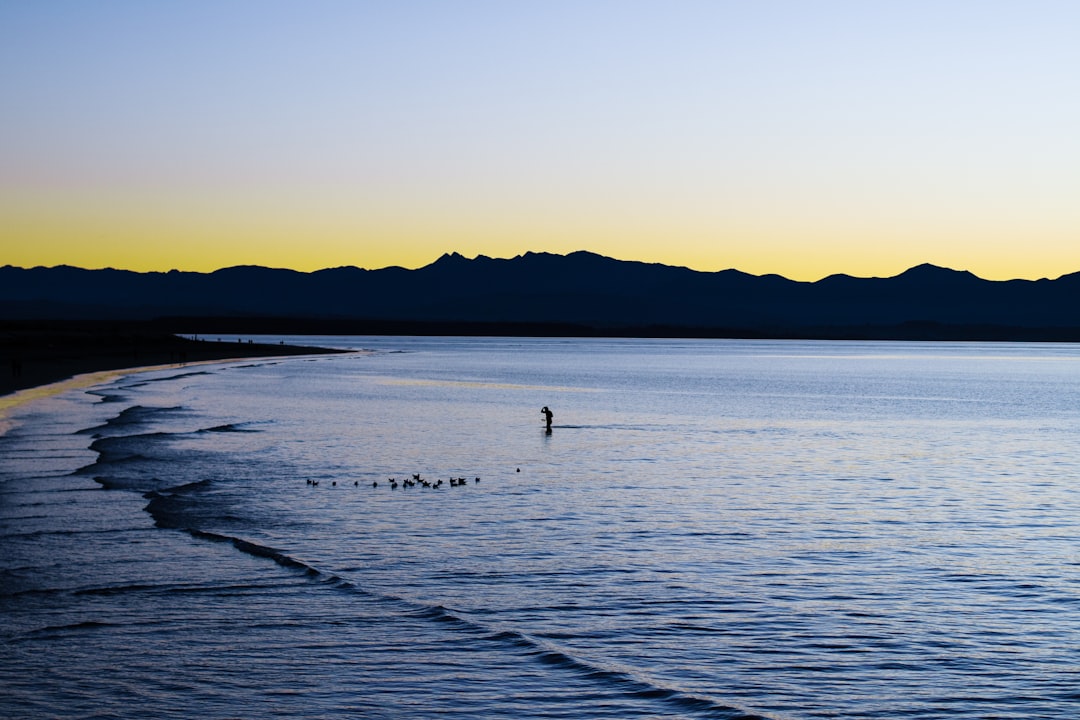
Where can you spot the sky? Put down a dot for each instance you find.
(802, 138)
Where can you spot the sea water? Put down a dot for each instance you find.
(711, 529)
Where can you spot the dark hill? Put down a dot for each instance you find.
(579, 293)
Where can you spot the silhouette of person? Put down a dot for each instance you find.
(547, 416)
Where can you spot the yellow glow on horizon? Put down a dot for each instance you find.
(158, 230)
(206, 236)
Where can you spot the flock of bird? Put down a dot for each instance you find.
(408, 483)
(417, 480)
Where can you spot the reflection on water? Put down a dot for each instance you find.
(788, 529)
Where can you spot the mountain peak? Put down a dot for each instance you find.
(927, 271)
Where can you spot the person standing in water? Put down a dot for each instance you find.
(547, 416)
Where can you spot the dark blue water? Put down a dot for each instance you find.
(711, 529)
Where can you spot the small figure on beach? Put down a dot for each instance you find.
(547, 416)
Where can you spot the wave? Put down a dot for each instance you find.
(134, 415)
(140, 461)
(24, 580)
(79, 626)
(117, 451)
(541, 651)
(116, 589)
(137, 588)
(228, 427)
(108, 445)
(86, 624)
(194, 485)
(29, 535)
(107, 396)
(166, 589)
(169, 509)
(263, 551)
(143, 380)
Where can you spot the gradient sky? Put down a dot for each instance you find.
(796, 137)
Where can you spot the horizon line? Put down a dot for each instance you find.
(452, 254)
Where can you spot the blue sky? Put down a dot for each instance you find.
(794, 137)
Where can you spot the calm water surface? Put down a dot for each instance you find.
(713, 529)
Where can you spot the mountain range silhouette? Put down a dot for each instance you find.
(581, 293)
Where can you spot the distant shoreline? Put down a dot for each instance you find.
(916, 331)
(34, 358)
